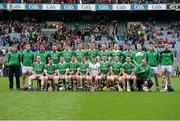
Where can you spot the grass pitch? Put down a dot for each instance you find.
(34, 105)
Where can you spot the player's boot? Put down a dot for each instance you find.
(135, 87)
(119, 88)
(170, 89)
(157, 89)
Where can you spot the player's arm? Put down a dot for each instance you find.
(134, 60)
(133, 72)
(67, 71)
(172, 57)
(78, 69)
(33, 71)
(87, 72)
(144, 55)
(8, 58)
(22, 58)
(99, 71)
(121, 71)
(158, 57)
(110, 71)
(32, 57)
(56, 72)
(78, 72)
(121, 57)
(147, 56)
(139, 71)
(45, 71)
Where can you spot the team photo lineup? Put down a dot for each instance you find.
(106, 68)
(90, 60)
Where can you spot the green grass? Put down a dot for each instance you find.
(87, 105)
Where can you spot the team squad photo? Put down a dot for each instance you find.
(102, 69)
(90, 60)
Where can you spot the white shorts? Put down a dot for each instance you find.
(26, 69)
(169, 68)
(154, 70)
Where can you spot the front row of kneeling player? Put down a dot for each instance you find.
(91, 76)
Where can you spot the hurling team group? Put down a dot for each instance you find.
(91, 69)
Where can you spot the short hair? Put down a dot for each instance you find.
(50, 58)
(79, 43)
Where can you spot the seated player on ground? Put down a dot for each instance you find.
(104, 66)
(144, 73)
(119, 78)
(71, 77)
(129, 73)
(62, 71)
(110, 80)
(50, 71)
(93, 75)
(37, 73)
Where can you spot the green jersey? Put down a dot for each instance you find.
(101, 53)
(38, 68)
(128, 67)
(14, 59)
(79, 54)
(117, 53)
(91, 53)
(27, 58)
(152, 58)
(166, 57)
(138, 57)
(144, 71)
(50, 69)
(73, 67)
(104, 67)
(62, 67)
(44, 56)
(127, 53)
(84, 67)
(55, 56)
(116, 67)
(67, 55)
